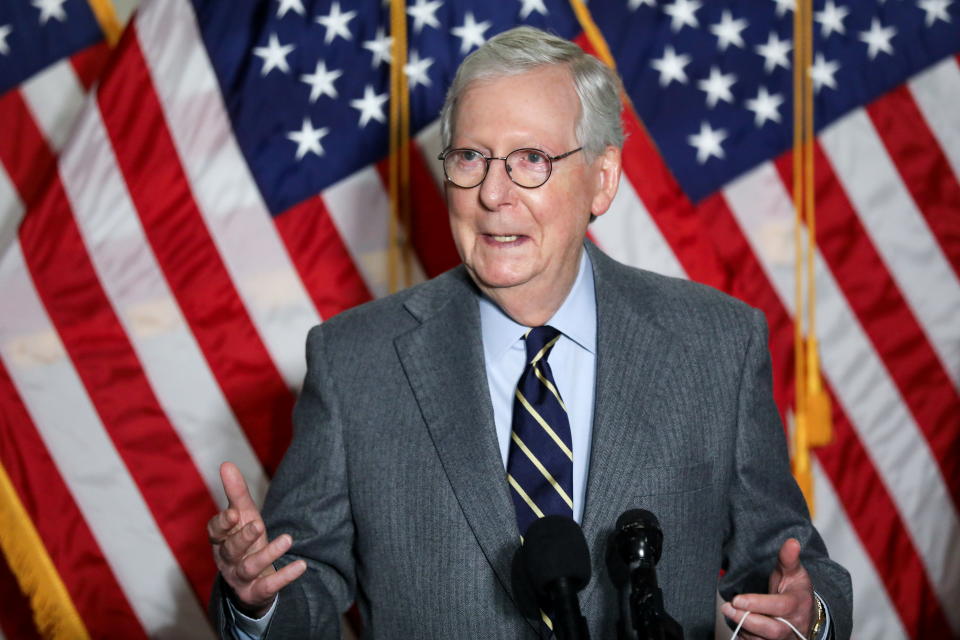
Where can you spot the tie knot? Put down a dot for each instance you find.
(540, 341)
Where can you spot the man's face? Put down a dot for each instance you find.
(510, 237)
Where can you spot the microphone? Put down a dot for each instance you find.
(638, 543)
(555, 562)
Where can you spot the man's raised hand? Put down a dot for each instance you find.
(790, 597)
(242, 552)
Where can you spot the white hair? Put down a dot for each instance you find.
(524, 49)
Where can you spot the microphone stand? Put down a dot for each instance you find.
(650, 620)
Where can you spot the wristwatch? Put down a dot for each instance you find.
(819, 622)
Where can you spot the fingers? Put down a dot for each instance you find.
(756, 625)
(245, 541)
(235, 487)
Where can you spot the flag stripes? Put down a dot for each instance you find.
(189, 259)
(922, 166)
(862, 274)
(93, 587)
(897, 230)
(171, 66)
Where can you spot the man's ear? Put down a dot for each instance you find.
(608, 179)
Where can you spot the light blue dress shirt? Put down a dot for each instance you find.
(572, 360)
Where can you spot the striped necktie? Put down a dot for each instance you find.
(540, 460)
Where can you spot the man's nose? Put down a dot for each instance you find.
(497, 188)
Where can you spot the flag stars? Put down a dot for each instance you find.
(633, 5)
(774, 52)
(50, 9)
(274, 55)
(683, 13)
(785, 5)
(529, 6)
(471, 32)
(935, 10)
(370, 106)
(5, 30)
(671, 66)
(831, 19)
(416, 70)
(708, 142)
(765, 107)
(321, 81)
(380, 47)
(728, 31)
(336, 23)
(290, 5)
(878, 39)
(717, 87)
(822, 72)
(308, 139)
(424, 13)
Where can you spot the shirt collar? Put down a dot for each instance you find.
(576, 318)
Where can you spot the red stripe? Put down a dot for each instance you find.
(90, 63)
(320, 257)
(25, 156)
(671, 210)
(872, 512)
(78, 559)
(187, 254)
(429, 225)
(108, 367)
(886, 318)
(922, 165)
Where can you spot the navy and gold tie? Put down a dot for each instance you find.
(540, 459)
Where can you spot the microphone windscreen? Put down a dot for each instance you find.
(554, 547)
(638, 517)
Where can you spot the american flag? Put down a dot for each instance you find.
(224, 189)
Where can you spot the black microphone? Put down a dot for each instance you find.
(638, 542)
(556, 562)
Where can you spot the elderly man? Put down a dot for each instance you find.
(419, 459)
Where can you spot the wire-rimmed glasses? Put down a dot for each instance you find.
(528, 168)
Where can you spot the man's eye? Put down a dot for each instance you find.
(469, 156)
(534, 157)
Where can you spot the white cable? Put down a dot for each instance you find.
(786, 622)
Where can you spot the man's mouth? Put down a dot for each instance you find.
(504, 238)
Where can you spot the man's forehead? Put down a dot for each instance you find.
(545, 95)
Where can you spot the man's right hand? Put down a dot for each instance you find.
(240, 548)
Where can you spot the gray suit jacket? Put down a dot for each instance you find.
(395, 494)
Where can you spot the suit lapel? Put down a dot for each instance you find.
(443, 361)
(633, 356)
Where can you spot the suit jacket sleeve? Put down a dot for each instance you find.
(766, 506)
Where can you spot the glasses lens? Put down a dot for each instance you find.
(464, 167)
(529, 167)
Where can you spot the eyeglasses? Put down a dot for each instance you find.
(527, 168)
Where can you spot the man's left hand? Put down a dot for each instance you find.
(790, 597)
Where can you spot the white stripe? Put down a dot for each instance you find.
(97, 477)
(873, 613)
(360, 209)
(54, 97)
(225, 191)
(432, 145)
(11, 210)
(899, 231)
(627, 233)
(134, 283)
(937, 94)
(887, 430)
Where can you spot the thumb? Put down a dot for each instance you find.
(788, 560)
(235, 488)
